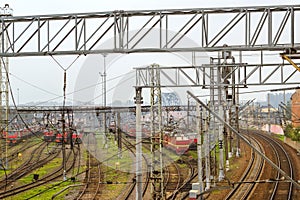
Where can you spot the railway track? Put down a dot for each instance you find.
(91, 190)
(173, 178)
(281, 189)
(35, 160)
(186, 185)
(57, 173)
(146, 180)
(22, 149)
(243, 188)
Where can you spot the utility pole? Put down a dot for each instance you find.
(207, 150)
(118, 132)
(236, 104)
(199, 144)
(220, 125)
(104, 100)
(269, 114)
(63, 145)
(139, 177)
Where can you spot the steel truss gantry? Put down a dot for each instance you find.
(240, 28)
(200, 76)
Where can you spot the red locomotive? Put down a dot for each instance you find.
(178, 143)
(130, 130)
(76, 138)
(49, 135)
(15, 136)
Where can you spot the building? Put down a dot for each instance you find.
(295, 108)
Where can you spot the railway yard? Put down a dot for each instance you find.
(194, 128)
(36, 172)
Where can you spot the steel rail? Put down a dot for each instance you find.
(246, 141)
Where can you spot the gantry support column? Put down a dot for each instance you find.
(4, 101)
(156, 174)
(199, 145)
(118, 133)
(139, 177)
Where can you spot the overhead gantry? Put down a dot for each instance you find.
(241, 28)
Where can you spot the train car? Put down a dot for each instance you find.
(178, 143)
(25, 134)
(3, 136)
(58, 138)
(49, 135)
(129, 130)
(193, 140)
(76, 138)
(13, 137)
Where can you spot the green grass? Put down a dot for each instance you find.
(47, 191)
(193, 154)
(15, 162)
(114, 190)
(280, 137)
(55, 163)
(2, 172)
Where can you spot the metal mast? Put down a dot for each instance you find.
(139, 175)
(220, 73)
(4, 71)
(216, 104)
(104, 101)
(157, 187)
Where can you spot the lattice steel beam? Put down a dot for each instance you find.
(199, 76)
(89, 109)
(241, 28)
(156, 173)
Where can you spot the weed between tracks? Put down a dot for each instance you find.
(49, 167)
(114, 189)
(49, 191)
(14, 150)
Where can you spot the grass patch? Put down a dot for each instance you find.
(42, 171)
(2, 172)
(193, 154)
(114, 176)
(280, 137)
(45, 191)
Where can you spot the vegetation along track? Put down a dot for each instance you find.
(128, 144)
(57, 173)
(36, 160)
(21, 148)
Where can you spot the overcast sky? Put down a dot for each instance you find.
(40, 79)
